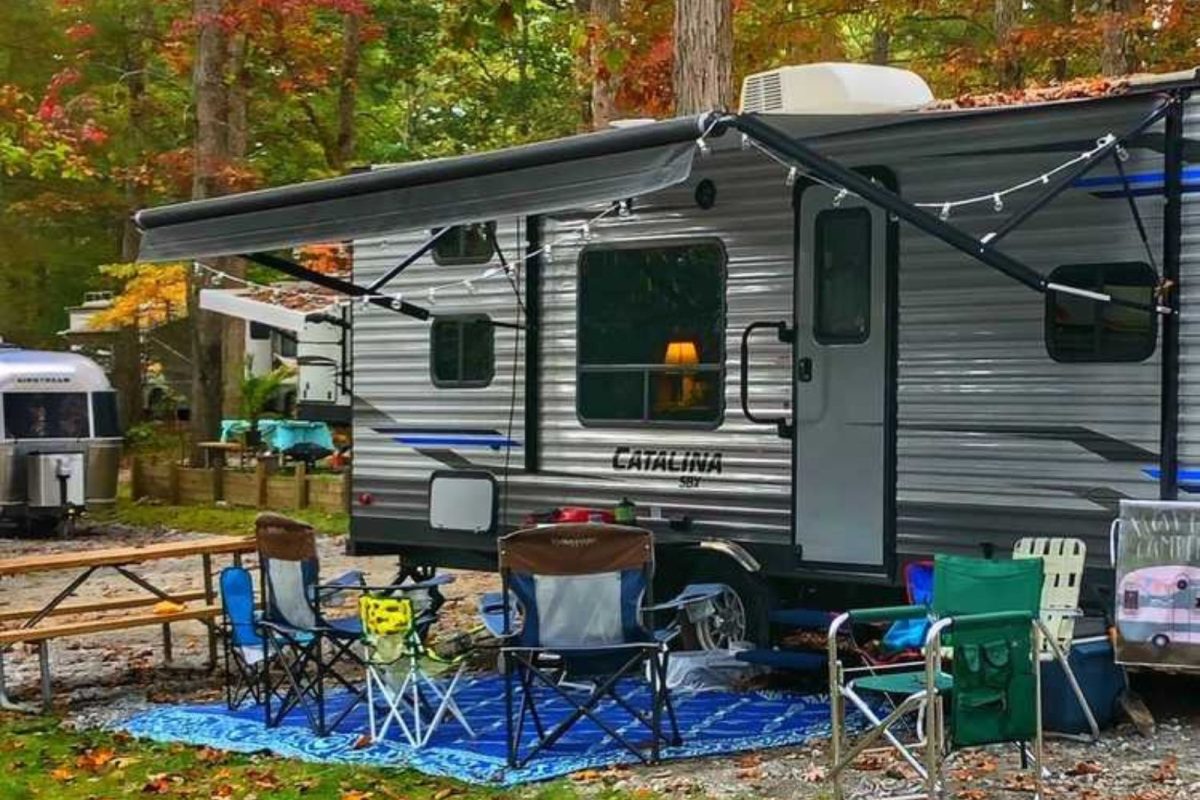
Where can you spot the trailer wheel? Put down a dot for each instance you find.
(1160, 640)
(739, 613)
(43, 527)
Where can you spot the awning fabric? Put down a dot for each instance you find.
(533, 179)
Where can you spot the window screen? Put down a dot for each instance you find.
(1079, 329)
(842, 276)
(462, 351)
(105, 418)
(652, 335)
(46, 415)
(466, 244)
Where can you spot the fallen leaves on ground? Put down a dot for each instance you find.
(814, 774)
(1086, 768)
(161, 783)
(1020, 782)
(971, 794)
(872, 762)
(211, 755)
(1167, 770)
(62, 774)
(362, 742)
(93, 760)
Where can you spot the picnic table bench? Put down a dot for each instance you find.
(35, 629)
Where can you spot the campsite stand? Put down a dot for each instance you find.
(119, 559)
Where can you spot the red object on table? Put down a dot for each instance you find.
(573, 514)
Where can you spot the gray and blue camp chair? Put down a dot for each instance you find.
(579, 593)
(245, 662)
(310, 649)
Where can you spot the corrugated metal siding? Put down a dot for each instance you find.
(971, 354)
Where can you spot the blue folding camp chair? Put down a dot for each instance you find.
(310, 649)
(246, 666)
(578, 592)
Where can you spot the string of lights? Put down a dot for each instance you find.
(945, 207)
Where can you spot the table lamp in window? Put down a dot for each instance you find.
(681, 390)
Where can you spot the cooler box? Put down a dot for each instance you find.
(1102, 682)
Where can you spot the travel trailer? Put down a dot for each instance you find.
(1158, 606)
(802, 343)
(60, 438)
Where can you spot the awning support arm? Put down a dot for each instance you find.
(336, 284)
(1063, 181)
(919, 218)
(409, 260)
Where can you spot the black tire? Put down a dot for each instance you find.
(43, 527)
(682, 567)
(1160, 640)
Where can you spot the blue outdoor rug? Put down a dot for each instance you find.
(710, 723)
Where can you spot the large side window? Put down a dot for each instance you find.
(842, 277)
(1079, 329)
(46, 415)
(466, 244)
(462, 351)
(652, 334)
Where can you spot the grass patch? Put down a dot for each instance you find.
(41, 759)
(233, 520)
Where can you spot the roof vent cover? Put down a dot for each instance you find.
(834, 89)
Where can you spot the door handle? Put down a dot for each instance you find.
(804, 370)
(786, 335)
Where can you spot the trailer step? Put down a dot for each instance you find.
(795, 660)
(801, 618)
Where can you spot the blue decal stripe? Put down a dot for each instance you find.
(456, 441)
(1136, 179)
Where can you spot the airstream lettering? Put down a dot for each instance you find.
(60, 437)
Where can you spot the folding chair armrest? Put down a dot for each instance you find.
(491, 614)
(888, 613)
(432, 583)
(648, 646)
(352, 580)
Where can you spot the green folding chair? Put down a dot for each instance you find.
(984, 613)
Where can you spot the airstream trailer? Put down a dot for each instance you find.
(60, 437)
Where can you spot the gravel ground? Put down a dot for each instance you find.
(106, 677)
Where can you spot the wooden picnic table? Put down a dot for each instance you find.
(120, 559)
(226, 449)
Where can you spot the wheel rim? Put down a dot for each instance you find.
(726, 623)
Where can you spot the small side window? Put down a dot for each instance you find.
(466, 244)
(842, 276)
(1130, 600)
(106, 421)
(462, 351)
(1081, 330)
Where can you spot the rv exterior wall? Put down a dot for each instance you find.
(996, 439)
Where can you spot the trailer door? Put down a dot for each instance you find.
(844, 476)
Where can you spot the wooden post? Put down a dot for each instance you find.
(173, 484)
(301, 485)
(218, 482)
(260, 482)
(135, 479)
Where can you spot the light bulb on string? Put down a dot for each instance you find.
(548, 253)
(792, 174)
(997, 203)
(470, 287)
(703, 146)
(945, 213)
(586, 231)
(1122, 153)
(398, 301)
(839, 197)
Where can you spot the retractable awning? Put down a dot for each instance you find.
(531, 179)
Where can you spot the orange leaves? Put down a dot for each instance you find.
(94, 760)
(328, 259)
(152, 294)
(1167, 770)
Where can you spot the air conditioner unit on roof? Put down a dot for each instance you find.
(834, 89)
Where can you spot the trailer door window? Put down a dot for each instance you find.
(462, 351)
(465, 244)
(652, 335)
(842, 276)
(1079, 329)
(105, 419)
(46, 415)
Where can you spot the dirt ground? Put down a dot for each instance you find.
(102, 678)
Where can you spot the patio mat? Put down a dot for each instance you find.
(710, 722)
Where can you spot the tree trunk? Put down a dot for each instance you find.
(210, 152)
(604, 14)
(703, 75)
(237, 112)
(881, 45)
(1008, 58)
(348, 89)
(1116, 39)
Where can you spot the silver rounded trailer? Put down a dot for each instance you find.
(60, 438)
